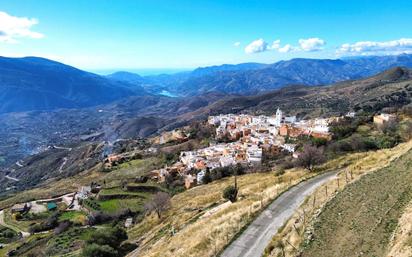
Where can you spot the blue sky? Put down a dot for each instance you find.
(103, 34)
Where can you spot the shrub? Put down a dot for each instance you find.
(63, 226)
(230, 192)
(95, 250)
(318, 141)
(405, 130)
(207, 178)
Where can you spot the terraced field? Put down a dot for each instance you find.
(361, 219)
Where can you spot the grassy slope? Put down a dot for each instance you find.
(401, 243)
(206, 236)
(361, 219)
(300, 225)
(188, 207)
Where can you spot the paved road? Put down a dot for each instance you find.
(253, 241)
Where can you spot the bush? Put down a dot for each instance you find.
(110, 236)
(230, 193)
(386, 142)
(95, 250)
(207, 178)
(63, 226)
(318, 141)
(50, 223)
(105, 242)
(405, 130)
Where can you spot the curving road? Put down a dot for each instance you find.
(253, 241)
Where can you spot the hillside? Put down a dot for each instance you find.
(33, 83)
(255, 78)
(142, 116)
(29, 133)
(388, 89)
(361, 219)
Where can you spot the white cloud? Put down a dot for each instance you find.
(286, 49)
(236, 44)
(256, 46)
(311, 44)
(307, 45)
(12, 28)
(403, 45)
(275, 44)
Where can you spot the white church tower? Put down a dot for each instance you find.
(278, 119)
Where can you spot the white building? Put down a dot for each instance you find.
(278, 117)
(200, 176)
(289, 147)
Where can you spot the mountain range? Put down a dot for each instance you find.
(33, 83)
(253, 78)
(27, 133)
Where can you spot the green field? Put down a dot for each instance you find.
(119, 192)
(361, 219)
(115, 205)
(74, 216)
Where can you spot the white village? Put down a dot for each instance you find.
(248, 138)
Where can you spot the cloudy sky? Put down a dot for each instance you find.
(128, 34)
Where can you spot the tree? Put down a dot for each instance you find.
(207, 178)
(310, 157)
(159, 203)
(230, 193)
(238, 169)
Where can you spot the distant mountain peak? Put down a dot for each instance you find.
(33, 83)
(395, 74)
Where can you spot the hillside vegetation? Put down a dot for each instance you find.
(362, 218)
(298, 231)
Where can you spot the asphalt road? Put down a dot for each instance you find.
(253, 241)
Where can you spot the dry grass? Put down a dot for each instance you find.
(205, 235)
(290, 237)
(185, 230)
(401, 243)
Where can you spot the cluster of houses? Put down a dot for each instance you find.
(384, 118)
(250, 137)
(71, 200)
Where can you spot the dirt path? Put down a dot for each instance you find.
(24, 234)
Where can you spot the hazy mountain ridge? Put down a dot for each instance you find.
(253, 78)
(33, 83)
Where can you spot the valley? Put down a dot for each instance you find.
(199, 169)
(205, 128)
